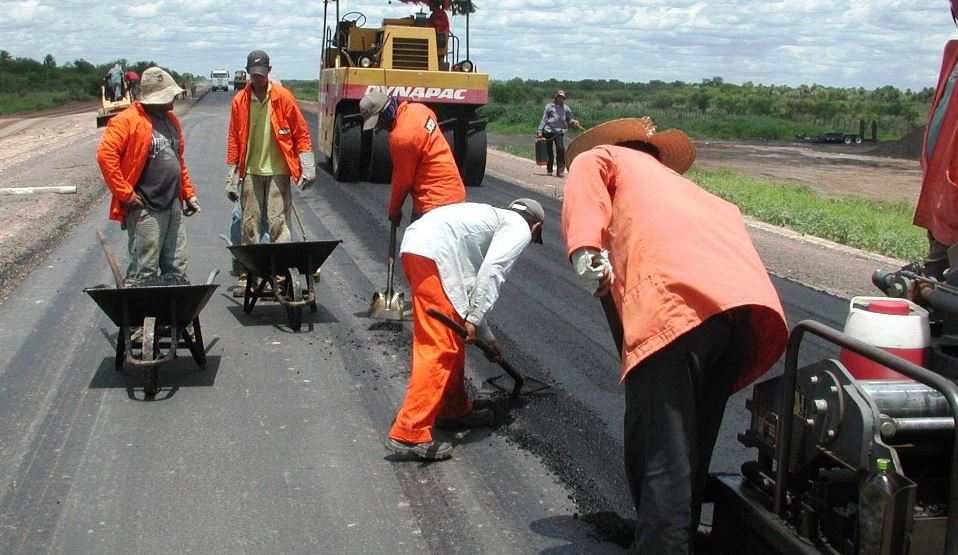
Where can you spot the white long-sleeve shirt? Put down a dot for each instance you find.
(474, 246)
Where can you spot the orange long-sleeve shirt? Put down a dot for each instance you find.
(123, 152)
(680, 254)
(423, 164)
(289, 128)
(937, 209)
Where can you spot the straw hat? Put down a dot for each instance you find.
(157, 87)
(675, 149)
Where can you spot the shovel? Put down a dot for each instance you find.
(520, 384)
(388, 305)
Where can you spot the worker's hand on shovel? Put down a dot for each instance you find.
(396, 218)
(472, 335)
(232, 185)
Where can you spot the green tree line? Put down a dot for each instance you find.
(27, 84)
(713, 108)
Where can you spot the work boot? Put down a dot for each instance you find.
(239, 290)
(429, 450)
(476, 418)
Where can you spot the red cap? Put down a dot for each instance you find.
(890, 306)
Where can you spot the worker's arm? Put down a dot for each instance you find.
(542, 121)
(302, 142)
(232, 136)
(405, 152)
(108, 155)
(587, 200)
(507, 244)
(186, 184)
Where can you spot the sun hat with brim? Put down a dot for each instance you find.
(676, 151)
(158, 87)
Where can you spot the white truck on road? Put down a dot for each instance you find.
(221, 80)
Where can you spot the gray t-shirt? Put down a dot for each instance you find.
(159, 184)
(555, 119)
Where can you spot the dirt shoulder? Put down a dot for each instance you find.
(49, 148)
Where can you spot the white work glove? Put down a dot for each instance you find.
(232, 190)
(192, 207)
(590, 267)
(308, 163)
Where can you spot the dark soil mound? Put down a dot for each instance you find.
(907, 147)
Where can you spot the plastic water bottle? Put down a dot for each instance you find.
(874, 506)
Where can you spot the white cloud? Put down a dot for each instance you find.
(867, 43)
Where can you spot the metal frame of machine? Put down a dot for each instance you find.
(403, 58)
(817, 430)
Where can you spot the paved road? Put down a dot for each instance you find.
(277, 446)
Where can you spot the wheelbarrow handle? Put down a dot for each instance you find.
(117, 276)
(483, 346)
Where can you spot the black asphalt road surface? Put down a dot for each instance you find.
(277, 447)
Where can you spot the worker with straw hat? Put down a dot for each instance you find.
(699, 315)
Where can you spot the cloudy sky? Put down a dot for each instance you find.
(857, 43)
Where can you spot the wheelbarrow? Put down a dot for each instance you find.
(166, 307)
(290, 260)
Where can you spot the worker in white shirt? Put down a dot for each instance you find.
(455, 258)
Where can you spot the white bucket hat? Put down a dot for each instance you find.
(158, 87)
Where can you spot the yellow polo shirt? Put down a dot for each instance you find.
(263, 156)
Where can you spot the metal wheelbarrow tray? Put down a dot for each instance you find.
(173, 306)
(271, 260)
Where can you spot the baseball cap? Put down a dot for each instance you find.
(157, 87)
(370, 106)
(257, 63)
(561, 93)
(532, 211)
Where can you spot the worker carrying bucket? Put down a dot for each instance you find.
(455, 258)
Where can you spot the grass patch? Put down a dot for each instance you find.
(520, 151)
(881, 227)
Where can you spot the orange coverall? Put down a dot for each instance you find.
(123, 152)
(438, 357)
(423, 163)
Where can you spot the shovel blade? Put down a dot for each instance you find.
(505, 384)
(387, 307)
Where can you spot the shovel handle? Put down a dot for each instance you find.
(483, 346)
(299, 220)
(391, 259)
(117, 276)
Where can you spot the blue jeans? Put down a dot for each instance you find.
(157, 243)
(236, 229)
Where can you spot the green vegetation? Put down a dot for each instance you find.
(713, 109)
(27, 85)
(881, 227)
(302, 89)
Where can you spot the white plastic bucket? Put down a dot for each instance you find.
(898, 326)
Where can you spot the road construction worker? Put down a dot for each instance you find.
(268, 144)
(700, 318)
(141, 157)
(423, 164)
(556, 119)
(132, 79)
(455, 259)
(439, 20)
(937, 209)
(114, 79)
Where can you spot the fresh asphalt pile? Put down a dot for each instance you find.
(280, 440)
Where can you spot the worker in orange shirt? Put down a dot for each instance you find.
(423, 164)
(141, 158)
(700, 318)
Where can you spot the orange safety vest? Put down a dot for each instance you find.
(423, 164)
(123, 152)
(289, 128)
(937, 209)
(680, 255)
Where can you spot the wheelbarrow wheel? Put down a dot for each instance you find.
(294, 293)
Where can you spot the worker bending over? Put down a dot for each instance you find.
(141, 157)
(700, 316)
(423, 164)
(455, 258)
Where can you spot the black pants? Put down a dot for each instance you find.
(674, 402)
(559, 141)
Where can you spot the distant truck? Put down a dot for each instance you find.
(239, 80)
(832, 137)
(220, 80)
